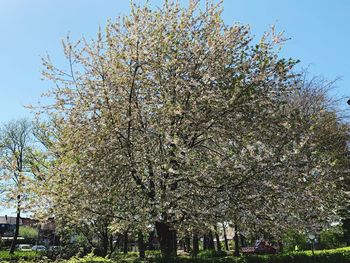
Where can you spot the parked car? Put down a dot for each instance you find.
(39, 248)
(261, 247)
(24, 247)
(55, 248)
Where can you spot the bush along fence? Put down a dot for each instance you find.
(324, 256)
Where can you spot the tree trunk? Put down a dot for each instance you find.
(280, 246)
(205, 242)
(111, 245)
(125, 244)
(242, 240)
(18, 217)
(167, 239)
(141, 245)
(150, 245)
(38, 237)
(104, 245)
(225, 238)
(218, 244)
(187, 244)
(195, 244)
(117, 245)
(346, 229)
(236, 239)
(182, 244)
(211, 241)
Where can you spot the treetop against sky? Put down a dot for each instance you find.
(318, 30)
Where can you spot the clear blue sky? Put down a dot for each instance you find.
(319, 32)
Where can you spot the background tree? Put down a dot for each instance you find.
(29, 233)
(16, 154)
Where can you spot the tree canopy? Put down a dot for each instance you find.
(172, 118)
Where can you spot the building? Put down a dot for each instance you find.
(46, 231)
(8, 225)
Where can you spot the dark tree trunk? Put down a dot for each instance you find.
(205, 242)
(346, 229)
(218, 244)
(211, 241)
(280, 246)
(111, 246)
(38, 237)
(182, 244)
(18, 217)
(125, 243)
(117, 245)
(236, 239)
(141, 245)
(195, 244)
(151, 238)
(167, 239)
(242, 240)
(187, 244)
(225, 237)
(104, 245)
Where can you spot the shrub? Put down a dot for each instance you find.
(118, 256)
(23, 255)
(90, 258)
(199, 260)
(341, 255)
(326, 256)
(68, 251)
(28, 232)
(332, 238)
(211, 254)
(128, 255)
(153, 253)
(293, 239)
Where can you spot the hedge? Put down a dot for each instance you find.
(88, 259)
(325, 256)
(23, 255)
(341, 255)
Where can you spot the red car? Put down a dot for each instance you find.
(261, 247)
